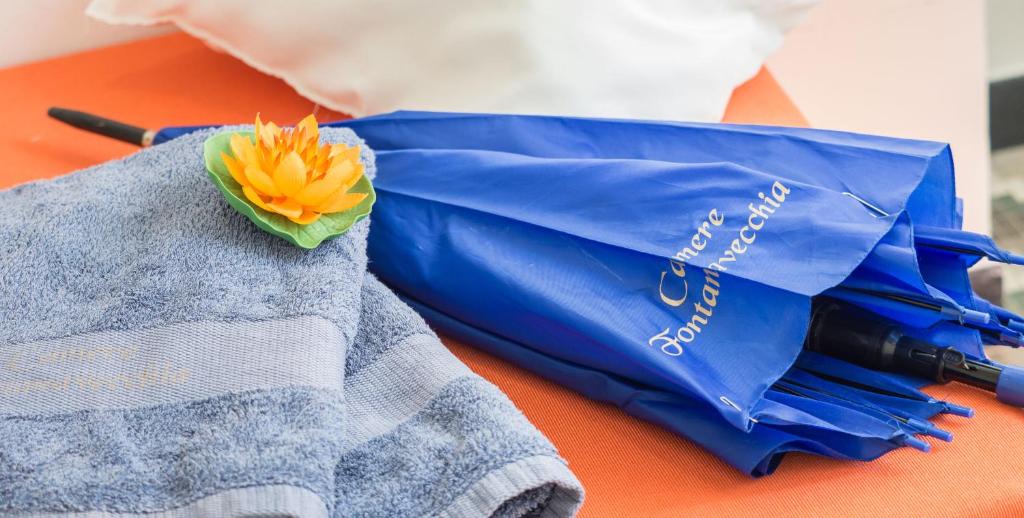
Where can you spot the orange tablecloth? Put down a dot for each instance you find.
(629, 467)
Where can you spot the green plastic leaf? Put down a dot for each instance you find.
(306, 236)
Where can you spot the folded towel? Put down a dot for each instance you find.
(160, 354)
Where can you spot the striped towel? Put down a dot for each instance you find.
(159, 354)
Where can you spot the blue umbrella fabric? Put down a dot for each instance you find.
(669, 268)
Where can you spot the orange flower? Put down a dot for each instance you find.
(287, 172)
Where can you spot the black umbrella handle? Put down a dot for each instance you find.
(861, 338)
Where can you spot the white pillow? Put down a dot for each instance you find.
(663, 59)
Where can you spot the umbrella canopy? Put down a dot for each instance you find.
(669, 268)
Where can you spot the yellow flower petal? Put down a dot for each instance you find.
(243, 149)
(309, 155)
(306, 218)
(322, 160)
(254, 197)
(290, 175)
(235, 168)
(340, 201)
(286, 207)
(270, 133)
(353, 178)
(309, 128)
(318, 191)
(261, 181)
(266, 138)
(270, 159)
(345, 170)
(344, 152)
(258, 128)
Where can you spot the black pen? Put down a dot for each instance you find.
(103, 126)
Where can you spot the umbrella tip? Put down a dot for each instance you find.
(958, 410)
(917, 444)
(975, 317)
(929, 429)
(940, 434)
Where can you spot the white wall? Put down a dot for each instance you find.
(31, 30)
(1005, 39)
(906, 68)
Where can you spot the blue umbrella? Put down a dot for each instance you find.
(517, 246)
(670, 268)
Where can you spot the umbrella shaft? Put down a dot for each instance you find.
(976, 374)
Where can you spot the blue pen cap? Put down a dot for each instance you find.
(1010, 388)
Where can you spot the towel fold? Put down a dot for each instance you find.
(160, 354)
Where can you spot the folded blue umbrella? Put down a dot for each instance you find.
(669, 268)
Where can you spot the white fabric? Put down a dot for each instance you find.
(662, 59)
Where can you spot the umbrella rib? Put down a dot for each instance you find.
(867, 204)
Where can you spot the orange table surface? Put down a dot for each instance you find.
(628, 467)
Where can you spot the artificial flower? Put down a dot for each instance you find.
(288, 172)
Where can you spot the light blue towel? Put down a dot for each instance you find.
(160, 354)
